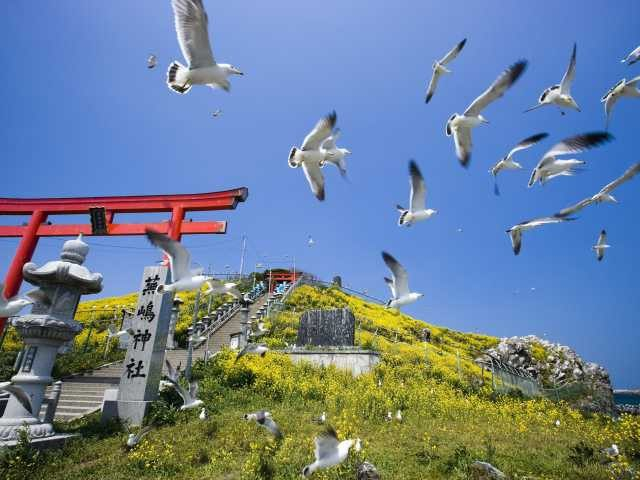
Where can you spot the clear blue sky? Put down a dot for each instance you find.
(82, 115)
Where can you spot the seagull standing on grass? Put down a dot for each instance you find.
(23, 397)
(440, 69)
(191, 24)
(203, 414)
(460, 125)
(604, 195)
(560, 95)
(180, 262)
(398, 284)
(417, 210)
(619, 90)
(632, 58)
(311, 157)
(264, 419)
(334, 155)
(135, 438)
(507, 163)
(515, 232)
(549, 167)
(329, 451)
(601, 246)
(10, 307)
(321, 419)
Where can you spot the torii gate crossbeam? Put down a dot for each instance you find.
(40, 208)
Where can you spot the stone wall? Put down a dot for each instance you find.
(354, 360)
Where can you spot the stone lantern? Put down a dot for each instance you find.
(49, 325)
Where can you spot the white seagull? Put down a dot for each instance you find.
(135, 438)
(440, 69)
(264, 419)
(334, 155)
(329, 451)
(113, 333)
(417, 210)
(619, 90)
(601, 245)
(180, 262)
(460, 125)
(311, 157)
(253, 349)
(550, 167)
(152, 61)
(23, 397)
(203, 414)
(632, 58)
(310, 241)
(515, 232)
(612, 451)
(399, 284)
(173, 374)
(321, 419)
(222, 288)
(189, 397)
(11, 306)
(191, 23)
(507, 163)
(216, 113)
(560, 95)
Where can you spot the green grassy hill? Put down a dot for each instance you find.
(451, 416)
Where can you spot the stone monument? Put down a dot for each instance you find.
(142, 367)
(331, 328)
(50, 325)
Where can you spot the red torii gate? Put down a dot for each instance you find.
(102, 211)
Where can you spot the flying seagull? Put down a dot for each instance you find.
(135, 438)
(112, 332)
(180, 261)
(252, 349)
(329, 451)
(507, 163)
(619, 90)
(550, 167)
(152, 61)
(334, 155)
(310, 241)
(173, 374)
(632, 58)
(440, 69)
(604, 195)
(460, 125)
(20, 395)
(222, 288)
(189, 397)
(216, 113)
(417, 210)
(311, 157)
(264, 419)
(515, 232)
(560, 95)
(191, 23)
(11, 306)
(601, 246)
(399, 284)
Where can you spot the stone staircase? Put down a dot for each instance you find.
(82, 394)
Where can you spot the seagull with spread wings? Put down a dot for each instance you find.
(417, 210)
(619, 90)
(265, 420)
(192, 29)
(460, 125)
(560, 95)
(222, 288)
(180, 262)
(12, 306)
(329, 451)
(515, 232)
(632, 58)
(134, 439)
(398, 284)
(311, 157)
(333, 154)
(253, 349)
(440, 69)
(507, 163)
(20, 395)
(550, 167)
(601, 245)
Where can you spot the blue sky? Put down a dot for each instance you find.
(81, 115)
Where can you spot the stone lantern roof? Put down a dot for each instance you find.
(68, 270)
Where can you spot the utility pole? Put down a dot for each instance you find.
(242, 253)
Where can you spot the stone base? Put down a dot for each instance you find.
(54, 441)
(9, 428)
(132, 412)
(353, 359)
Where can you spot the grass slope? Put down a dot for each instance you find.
(450, 417)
